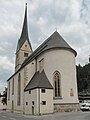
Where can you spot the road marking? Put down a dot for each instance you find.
(12, 119)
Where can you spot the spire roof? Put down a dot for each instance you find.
(24, 34)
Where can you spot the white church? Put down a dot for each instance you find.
(44, 80)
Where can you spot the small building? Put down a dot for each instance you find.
(44, 80)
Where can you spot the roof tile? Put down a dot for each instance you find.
(39, 80)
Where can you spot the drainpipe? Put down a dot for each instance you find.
(23, 102)
(24, 91)
(38, 97)
(38, 101)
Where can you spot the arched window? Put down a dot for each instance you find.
(57, 85)
(19, 90)
(13, 86)
(9, 90)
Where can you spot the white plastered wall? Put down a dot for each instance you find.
(48, 97)
(63, 61)
(38, 97)
(29, 98)
(13, 97)
(31, 69)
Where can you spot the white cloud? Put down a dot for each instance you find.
(6, 69)
(6, 64)
(75, 9)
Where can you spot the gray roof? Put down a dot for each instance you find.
(24, 34)
(39, 80)
(54, 41)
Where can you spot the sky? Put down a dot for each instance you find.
(71, 18)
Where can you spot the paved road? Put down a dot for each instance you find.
(56, 116)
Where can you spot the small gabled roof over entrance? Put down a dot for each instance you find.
(39, 80)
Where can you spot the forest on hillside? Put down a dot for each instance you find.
(83, 78)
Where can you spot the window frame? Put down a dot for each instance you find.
(19, 90)
(57, 84)
(33, 103)
(9, 90)
(44, 102)
(26, 103)
(25, 54)
(13, 86)
(29, 91)
(43, 90)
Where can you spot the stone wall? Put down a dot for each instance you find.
(66, 107)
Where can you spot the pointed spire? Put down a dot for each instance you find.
(24, 33)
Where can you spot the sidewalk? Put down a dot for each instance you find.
(50, 116)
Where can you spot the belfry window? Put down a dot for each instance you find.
(43, 90)
(57, 88)
(25, 54)
(19, 90)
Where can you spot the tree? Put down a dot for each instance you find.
(83, 77)
(4, 100)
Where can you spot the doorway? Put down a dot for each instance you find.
(32, 110)
(12, 110)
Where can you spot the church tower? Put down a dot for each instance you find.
(24, 48)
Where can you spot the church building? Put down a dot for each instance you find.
(45, 79)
